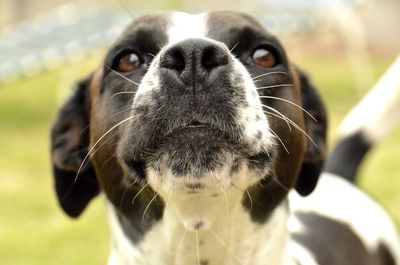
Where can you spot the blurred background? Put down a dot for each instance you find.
(46, 45)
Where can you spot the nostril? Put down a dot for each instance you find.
(173, 59)
(213, 57)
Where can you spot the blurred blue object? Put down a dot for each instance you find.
(72, 31)
(310, 5)
(303, 15)
(66, 33)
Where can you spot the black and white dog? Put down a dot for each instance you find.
(206, 140)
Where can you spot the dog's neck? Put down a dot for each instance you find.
(232, 237)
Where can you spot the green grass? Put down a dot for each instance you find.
(33, 229)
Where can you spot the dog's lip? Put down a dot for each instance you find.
(196, 126)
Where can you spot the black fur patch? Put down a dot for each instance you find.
(384, 255)
(331, 242)
(347, 156)
(70, 140)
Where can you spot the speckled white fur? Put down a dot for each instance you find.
(248, 115)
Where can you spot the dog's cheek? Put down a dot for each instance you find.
(250, 112)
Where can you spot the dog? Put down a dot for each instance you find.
(208, 144)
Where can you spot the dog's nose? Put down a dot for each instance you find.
(193, 60)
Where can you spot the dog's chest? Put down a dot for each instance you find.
(232, 241)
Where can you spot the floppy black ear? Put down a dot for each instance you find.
(69, 147)
(317, 130)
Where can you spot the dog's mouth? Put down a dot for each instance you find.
(199, 128)
(193, 152)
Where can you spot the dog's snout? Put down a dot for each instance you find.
(193, 59)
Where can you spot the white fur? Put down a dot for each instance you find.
(248, 120)
(301, 254)
(339, 200)
(233, 239)
(185, 26)
(378, 112)
(215, 181)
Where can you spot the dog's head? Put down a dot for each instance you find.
(190, 105)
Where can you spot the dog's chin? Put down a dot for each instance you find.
(194, 151)
(200, 212)
(197, 168)
(199, 159)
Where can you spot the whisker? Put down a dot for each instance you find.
(101, 145)
(280, 114)
(280, 140)
(272, 86)
(108, 159)
(270, 73)
(225, 246)
(147, 207)
(295, 126)
(251, 200)
(123, 92)
(247, 192)
(119, 111)
(280, 184)
(97, 142)
(168, 200)
(151, 54)
(121, 201)
(197, 245)
(181, 241)
(294, 104)
(124, 77)
(137, 194)
(301, 130)
(127, 186)
(237, 187)
(226, 204)
(234, 46)
(125, 8)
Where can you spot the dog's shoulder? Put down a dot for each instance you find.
(338, 220)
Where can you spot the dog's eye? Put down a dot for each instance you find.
(129, 62)
(264, 58)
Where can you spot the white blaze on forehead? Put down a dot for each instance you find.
(186, 26)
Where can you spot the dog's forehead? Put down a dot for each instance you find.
(169, 28)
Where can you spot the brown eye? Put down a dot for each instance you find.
(264, 58)
(129, 63)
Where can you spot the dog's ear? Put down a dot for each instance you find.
(69, 147)
(317, 130)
